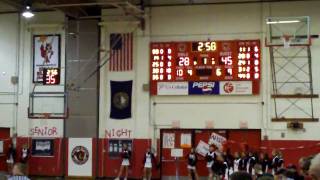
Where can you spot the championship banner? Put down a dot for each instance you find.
(46, 54)
(121, 98)
(80, 157)
(42, 147)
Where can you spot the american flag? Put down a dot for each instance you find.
(121, 52)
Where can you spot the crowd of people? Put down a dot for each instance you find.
(246, 165)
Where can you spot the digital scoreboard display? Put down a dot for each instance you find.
(51, 76)
(205, 61)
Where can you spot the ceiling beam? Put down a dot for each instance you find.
(13, 3)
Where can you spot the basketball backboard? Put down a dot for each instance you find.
(288, 31)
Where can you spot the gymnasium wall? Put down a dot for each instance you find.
(214, 22)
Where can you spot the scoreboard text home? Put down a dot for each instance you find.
(205, 67)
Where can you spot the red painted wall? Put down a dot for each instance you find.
(292, 153)
(108, 167)
(44, 166)
(5, 137)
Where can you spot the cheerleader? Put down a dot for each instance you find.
(277, 161)
(252, 160)
(210, 158)
(264, 161)
(25, 153)
(243, 162)
(228, 163)
(192, 162)
(236, 162)
(149, 159)
(126, 154)
(11, 156)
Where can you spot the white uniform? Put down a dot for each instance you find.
(148, 163)
(236, 163)
(125, 161)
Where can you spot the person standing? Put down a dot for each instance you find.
(211, 156)
(148, 161)
(192, 163)
(11, 156)
(126, 155)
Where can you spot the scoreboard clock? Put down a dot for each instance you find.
(51, 76)
(225, 63)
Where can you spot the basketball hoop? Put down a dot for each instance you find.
(286, 41)
(46, 115)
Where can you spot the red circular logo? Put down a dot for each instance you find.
(228, 87)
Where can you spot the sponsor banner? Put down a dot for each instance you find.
(80, 157)
(172, 88)
(209, 87)
(236, 87)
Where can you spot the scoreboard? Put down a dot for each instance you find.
(176, 64)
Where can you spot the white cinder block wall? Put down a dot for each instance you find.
(214, 22)
(16, 60)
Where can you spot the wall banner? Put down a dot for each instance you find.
(80, 157)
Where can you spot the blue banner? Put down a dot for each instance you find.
(121, 92)
(204, 88)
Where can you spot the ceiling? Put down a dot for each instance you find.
(92, 8)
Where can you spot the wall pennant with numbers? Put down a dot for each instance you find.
(121, 93)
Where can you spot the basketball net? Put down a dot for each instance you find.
(286, 41)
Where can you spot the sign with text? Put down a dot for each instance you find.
(236, 87)
(168, 140)
(217, 140)
(43, 128)
(173, 88)
(189, 61)
(203, 88)
(122, 133)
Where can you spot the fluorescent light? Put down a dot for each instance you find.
(283, 22)
(27, 13)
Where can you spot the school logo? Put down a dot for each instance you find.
(80, 155)
(121, 100)
(228, 87)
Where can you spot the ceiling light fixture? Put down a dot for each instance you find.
(27, 13)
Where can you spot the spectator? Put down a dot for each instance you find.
(19, 172)
(241, 175)
(314, 169)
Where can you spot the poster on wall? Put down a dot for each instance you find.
(80, 157)
(46, 54)
(116, 146)
(185, 140)
(168, 140)
(42, 147)
(121, 98)
(1, 147)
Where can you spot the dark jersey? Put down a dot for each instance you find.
(192, 159)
